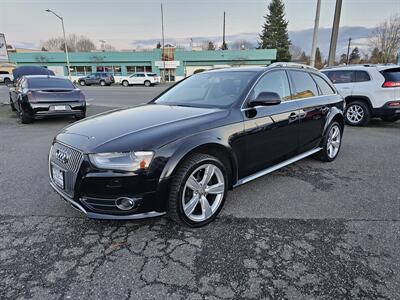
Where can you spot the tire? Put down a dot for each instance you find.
(25, 118)
(82, 83)
(391, 119)
(7, 81)
(102, 83)
(357, 113)
(80, 117)
(332, 138)
(12, 106)
(203, 211)
(147, 83)
(125, 83)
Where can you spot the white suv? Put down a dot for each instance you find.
(369, 91)
(142, 78)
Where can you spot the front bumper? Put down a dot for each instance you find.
(96, 192)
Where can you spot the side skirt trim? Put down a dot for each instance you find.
(276, 167)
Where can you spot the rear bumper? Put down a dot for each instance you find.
(47, 109)
(386, 111)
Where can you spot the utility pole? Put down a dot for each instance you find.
(163, 44)
(223, 35)
(65, 40)
(315, 35)
(335, 32)
(348, 52)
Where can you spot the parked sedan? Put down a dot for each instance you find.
(141, 78)
(97, 79)
(39, 96)
(180, 153)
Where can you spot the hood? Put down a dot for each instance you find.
(146, 127)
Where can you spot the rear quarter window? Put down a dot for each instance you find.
(362, 76)
(304, 85)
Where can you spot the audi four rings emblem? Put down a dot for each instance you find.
(62, 156)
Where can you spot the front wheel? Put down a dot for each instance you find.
(102, 83)
(25, 117)
(357, 114)
(125, 83)
(147, 83)
(82, 83)
(331, 143)
(198, 190)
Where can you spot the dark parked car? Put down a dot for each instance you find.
(97, 78)
(30, 70)
(39, 96)
(180, 153)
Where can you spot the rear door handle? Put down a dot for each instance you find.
(293, 116)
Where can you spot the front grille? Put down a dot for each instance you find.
(66, 157)
(69, 160)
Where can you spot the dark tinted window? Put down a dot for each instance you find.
(362, 76)
(151, 74)
(324, 87)
(392, 74)
(46, 83)
(304, 85)
(340, 76)
(4, 72)
(141, 75)
(275, 82)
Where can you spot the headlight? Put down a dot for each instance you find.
(123, 161)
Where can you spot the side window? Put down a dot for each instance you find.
(304, 85)
(362, 76)
(134, 75)
(275, 82)
(324, 87)
(341, 76)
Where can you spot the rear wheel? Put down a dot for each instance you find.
(7, 81)
(357, 113)
(391, 118)
(82, 82)
(198, 190)
(125, 83)
(331, 143)
(102, 83)
(147, 83)
(25, 117)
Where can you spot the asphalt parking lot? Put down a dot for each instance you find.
(310, 230)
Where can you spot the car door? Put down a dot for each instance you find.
(141, 78)
(271, 132)
(133, 79)
(15, 92)
(313, 108)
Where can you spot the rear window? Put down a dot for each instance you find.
(49, 83)
(340, 76)
(151, 74)
(392, 74)
(362, 76)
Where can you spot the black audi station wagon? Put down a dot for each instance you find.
(179, 154)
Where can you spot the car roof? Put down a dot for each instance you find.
(378, 67)
(44, 77)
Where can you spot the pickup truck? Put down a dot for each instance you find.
(6, 77)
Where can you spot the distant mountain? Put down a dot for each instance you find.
(301, 38)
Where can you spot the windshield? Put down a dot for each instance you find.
(210, 89)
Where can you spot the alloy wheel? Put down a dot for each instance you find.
(333, 143)
(203, 192)
(355, 113)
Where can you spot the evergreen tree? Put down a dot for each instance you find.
(158, 45)
(304, 58)
(355, 56)
(274, 31)
(376, 56)
(343, 59)
(318, 59)
(224, 46)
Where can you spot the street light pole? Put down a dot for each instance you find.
(65, 40)
(335, 32)
(315, 34)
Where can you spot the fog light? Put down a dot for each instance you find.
(125, 203)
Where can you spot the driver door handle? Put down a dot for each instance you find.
(293, 116)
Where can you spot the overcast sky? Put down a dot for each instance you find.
(119, 22)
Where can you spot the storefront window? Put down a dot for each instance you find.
(139, 69)
(80, 70)
(133, 69)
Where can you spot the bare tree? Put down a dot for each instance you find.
(295, 52)
(74, 43)
(386, 38)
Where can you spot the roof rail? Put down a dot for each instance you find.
(358, 65)
(291, 65)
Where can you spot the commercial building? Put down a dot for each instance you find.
(175, 65)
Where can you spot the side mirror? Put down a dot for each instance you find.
(266, 99)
